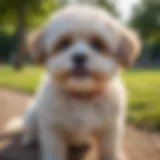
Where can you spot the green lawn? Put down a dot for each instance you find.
(143, 87)
(25, 80)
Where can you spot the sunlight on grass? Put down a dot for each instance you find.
(143, 88)
(144, 97)
(25, 80)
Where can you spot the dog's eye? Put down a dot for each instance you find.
(64, 43)
(98, 44)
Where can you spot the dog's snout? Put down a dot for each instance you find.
(79, 59)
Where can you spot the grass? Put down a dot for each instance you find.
(144, 98)
(24, 80)
(143, 87)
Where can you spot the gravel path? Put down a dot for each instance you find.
(139, 145)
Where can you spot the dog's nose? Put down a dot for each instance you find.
(79, 59)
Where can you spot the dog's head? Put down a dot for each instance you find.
(84, 46)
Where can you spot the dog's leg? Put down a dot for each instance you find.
(111, 143)
(29, 136)
(53, 146)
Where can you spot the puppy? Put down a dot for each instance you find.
(81, 97)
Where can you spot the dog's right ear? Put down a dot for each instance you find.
(129, 48)
(36, 48)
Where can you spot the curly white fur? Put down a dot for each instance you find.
(60, 119)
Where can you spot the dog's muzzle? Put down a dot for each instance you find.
(79, 60)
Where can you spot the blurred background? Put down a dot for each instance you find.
(21, 74)
(19, 17)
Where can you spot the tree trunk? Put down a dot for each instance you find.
(20, 47)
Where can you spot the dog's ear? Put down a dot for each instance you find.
(36, 46)
(128, 48)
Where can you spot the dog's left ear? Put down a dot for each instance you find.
(128, 48)
(36, 48)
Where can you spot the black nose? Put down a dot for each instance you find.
(79, 59)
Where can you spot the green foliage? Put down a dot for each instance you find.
(109, 5)
(7, 44)
(156, 50)
(36, 17)
(146, 19)
(143, 87)
(34, 11)
(20, 15)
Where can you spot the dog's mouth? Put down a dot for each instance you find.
(81, 81)
(80, 73)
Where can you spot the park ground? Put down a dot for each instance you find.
(142, 139)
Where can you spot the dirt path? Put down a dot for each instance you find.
(139, 145)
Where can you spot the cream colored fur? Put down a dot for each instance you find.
(57, 119)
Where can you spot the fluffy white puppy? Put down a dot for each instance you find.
(82, 96)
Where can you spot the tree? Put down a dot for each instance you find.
(146, 19)
(109, 5)
(20, 14)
